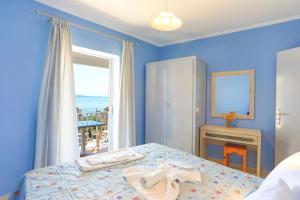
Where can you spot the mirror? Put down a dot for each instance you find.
(233, 91)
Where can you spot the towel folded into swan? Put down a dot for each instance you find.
(159, 183)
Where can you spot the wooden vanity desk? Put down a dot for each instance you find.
(219, 135)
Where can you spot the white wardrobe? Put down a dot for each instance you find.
(175, 103)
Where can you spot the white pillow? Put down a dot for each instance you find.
(278, 191)
(283, 183)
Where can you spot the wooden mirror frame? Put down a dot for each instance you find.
(214, 75)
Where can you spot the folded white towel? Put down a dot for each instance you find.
(113, 157)
(110, 159)
(173, 163)
(166, 188)
(180, 164)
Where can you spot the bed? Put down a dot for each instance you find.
(66, 181)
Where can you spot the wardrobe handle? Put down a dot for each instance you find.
(279, 114)
(167, 105)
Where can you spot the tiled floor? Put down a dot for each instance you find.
(4, 197)
(92, 143)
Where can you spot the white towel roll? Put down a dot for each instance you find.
(179, 175)
(154, 177)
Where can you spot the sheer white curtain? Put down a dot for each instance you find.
(126, 128)
(56, 134)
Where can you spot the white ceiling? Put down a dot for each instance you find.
(201, 18)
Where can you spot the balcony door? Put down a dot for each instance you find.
(96, 76)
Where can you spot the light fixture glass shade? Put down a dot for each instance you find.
(166, 21)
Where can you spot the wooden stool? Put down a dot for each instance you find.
(240, 150)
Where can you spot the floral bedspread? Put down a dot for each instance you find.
(66, 181)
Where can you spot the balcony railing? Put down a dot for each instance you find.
(93, 133)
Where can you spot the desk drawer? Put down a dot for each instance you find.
(231, 137)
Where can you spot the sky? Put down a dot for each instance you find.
(91, 81)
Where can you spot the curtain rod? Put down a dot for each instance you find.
(82, 27)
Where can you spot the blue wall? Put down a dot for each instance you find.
(251, 49)
(23, 44)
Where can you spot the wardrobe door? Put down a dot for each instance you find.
(287, 104)
(156, 99)
(180, 104)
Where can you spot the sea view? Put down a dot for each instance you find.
(91, 103)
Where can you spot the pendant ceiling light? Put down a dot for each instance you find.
(166, 21)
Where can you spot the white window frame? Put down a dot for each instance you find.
(114, 90)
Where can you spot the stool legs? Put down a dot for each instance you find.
(244, 162)
(226, 158)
